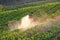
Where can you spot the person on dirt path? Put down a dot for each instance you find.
(31, 15)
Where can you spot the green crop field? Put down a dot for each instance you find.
(52, 9)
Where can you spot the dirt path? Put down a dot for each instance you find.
(26, 23)
(49, 24)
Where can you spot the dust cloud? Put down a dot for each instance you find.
(26, 23)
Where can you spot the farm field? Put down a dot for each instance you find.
(51, 30)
